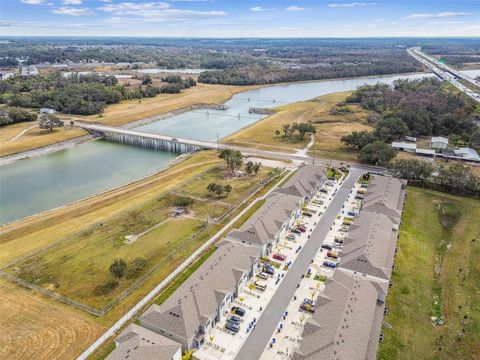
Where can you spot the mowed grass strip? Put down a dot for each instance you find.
(437, 275)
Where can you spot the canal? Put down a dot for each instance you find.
(35, 185)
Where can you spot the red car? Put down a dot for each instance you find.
(279, 257)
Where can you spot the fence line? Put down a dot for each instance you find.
(154, 293)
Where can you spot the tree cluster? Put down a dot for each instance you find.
(219, 189)
(456, 178)
(410, 107)
(302, 128)
(76, 94)
(15, 115)
(233, 159)
(252, 167)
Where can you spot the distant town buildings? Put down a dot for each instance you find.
(30, 70)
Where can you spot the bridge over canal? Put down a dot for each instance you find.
(148, 140)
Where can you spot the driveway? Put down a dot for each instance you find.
(267, 323)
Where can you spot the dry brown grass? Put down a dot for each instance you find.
(131, 110)
(330, 128)
(33, 327)
(33, 139)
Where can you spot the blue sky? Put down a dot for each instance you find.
(240, 18)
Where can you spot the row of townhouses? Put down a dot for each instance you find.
(349, 311)
(185, 318)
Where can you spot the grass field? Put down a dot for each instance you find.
(78, 267)
(330, 128)
(437, 275)
(117, 114)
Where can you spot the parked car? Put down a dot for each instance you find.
(301, 229)
(268, 269)
(323, 190)
(339, 239)
(338, 245)
(290, 236)
(308, 301)
(318, 202)
(263, 275)
(359, 197)
(307, 214)
(238, 311)
(234, 319)
(332, 254)
(327, 246)
(361, 191)
(232, 327)
(296, 231)
(330, 264)
(278, 256)
(364, 186)
(307, 307)
(259, 286)
(352, 213)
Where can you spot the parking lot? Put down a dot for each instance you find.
(224, 344)
(287, 336)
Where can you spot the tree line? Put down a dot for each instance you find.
(456, 178)
(78, 94)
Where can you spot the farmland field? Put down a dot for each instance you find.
(434, 304)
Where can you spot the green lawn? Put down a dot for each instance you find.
(78, 267)
(437, 275)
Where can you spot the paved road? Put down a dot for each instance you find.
(266, 325)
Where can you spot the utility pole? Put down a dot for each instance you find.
(218, 143)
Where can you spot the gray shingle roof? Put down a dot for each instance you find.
(385, 195)
(304, 180)
(199, 297)
(138, 343)
(370, 245)
(346, 321)
(267, 220)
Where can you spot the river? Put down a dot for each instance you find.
(38, 184)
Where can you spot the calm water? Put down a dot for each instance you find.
(39, 184)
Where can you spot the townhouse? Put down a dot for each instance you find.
(280, 211)
(196, 306)
(349, 311)
(347, 320)
(138, 343)
(269, 223)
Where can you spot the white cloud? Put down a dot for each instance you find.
(161, 10)
(259, 9)
(353, 4)
(32, 2)
(106, 1)
(66, 10)
(437, 15)
(294, 8)
(72, 2)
